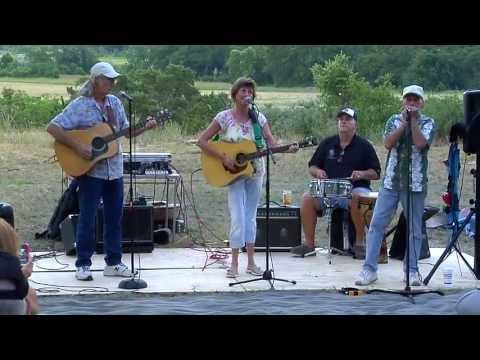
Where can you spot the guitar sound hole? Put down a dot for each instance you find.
(240, 159)
(99, 146)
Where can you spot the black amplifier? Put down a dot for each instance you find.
(137, 225)
(285, 228)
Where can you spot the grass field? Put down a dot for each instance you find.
(40, 86)
(33, 185)
(280, 97)
(266, 95)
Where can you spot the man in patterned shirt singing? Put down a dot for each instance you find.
(395, 182)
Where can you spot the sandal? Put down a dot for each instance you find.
(231, 273)
(255, 270)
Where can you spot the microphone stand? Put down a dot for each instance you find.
(131, 283)
(268, 273)
(407, 291)
(457, 225)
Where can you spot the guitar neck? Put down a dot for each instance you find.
(121, 133)
(264, 152)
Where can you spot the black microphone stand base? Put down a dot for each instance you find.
(132, 284)
(407, 292)
(267, 275)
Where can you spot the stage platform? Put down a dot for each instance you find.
(182, 270)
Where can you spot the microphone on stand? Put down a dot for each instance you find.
(409, 110)
(251, 111)
(248, 100)
(125, 95)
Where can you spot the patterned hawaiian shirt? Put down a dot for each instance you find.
(397, 166)
(83, 113)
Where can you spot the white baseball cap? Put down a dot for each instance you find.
(349, 111)
(105, 69)
(413, 89)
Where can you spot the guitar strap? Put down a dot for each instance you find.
(111, 119)
(257, 131)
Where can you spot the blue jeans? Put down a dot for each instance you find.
(385, 207)
(89, 193)
(243, 197)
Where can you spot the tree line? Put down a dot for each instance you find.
(173, 87)
(436, 67)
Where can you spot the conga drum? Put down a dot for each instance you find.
(361, 208)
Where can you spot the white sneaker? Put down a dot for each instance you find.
(83, 273)
(117, 270)
(366, 277)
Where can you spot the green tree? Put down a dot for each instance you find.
(248, 62)
(6, 60)
(340, 86)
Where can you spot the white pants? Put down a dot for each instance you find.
(243, 197)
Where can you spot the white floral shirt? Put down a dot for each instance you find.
(234, 131)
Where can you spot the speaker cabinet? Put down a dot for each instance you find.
(6, 213)
(471, 104)
(68, 230)
(285, 228)
(137, 222)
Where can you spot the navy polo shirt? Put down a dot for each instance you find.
(340, 163)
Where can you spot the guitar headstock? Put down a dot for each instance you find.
(308, 141)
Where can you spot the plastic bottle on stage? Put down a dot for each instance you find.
(287, 198)
(448, 277)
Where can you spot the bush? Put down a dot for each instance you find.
(201, 112)
(306, 119)
(446, 111)
(341, 86)
(172, 88)
(20, 111)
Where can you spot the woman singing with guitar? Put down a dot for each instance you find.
(100, 174)
(234, 126)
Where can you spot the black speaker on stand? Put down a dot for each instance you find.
(471, 145)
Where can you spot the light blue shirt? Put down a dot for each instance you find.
(83, 113)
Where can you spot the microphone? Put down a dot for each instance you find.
(248, 100)
(409, 110)
(125, 95)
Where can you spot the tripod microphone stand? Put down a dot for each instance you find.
(457, 227)
(268, 273)
(132, 283)
(407, 291)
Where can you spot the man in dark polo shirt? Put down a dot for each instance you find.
(345, 155)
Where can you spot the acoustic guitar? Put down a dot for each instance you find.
(242, 153)
(102, 139)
